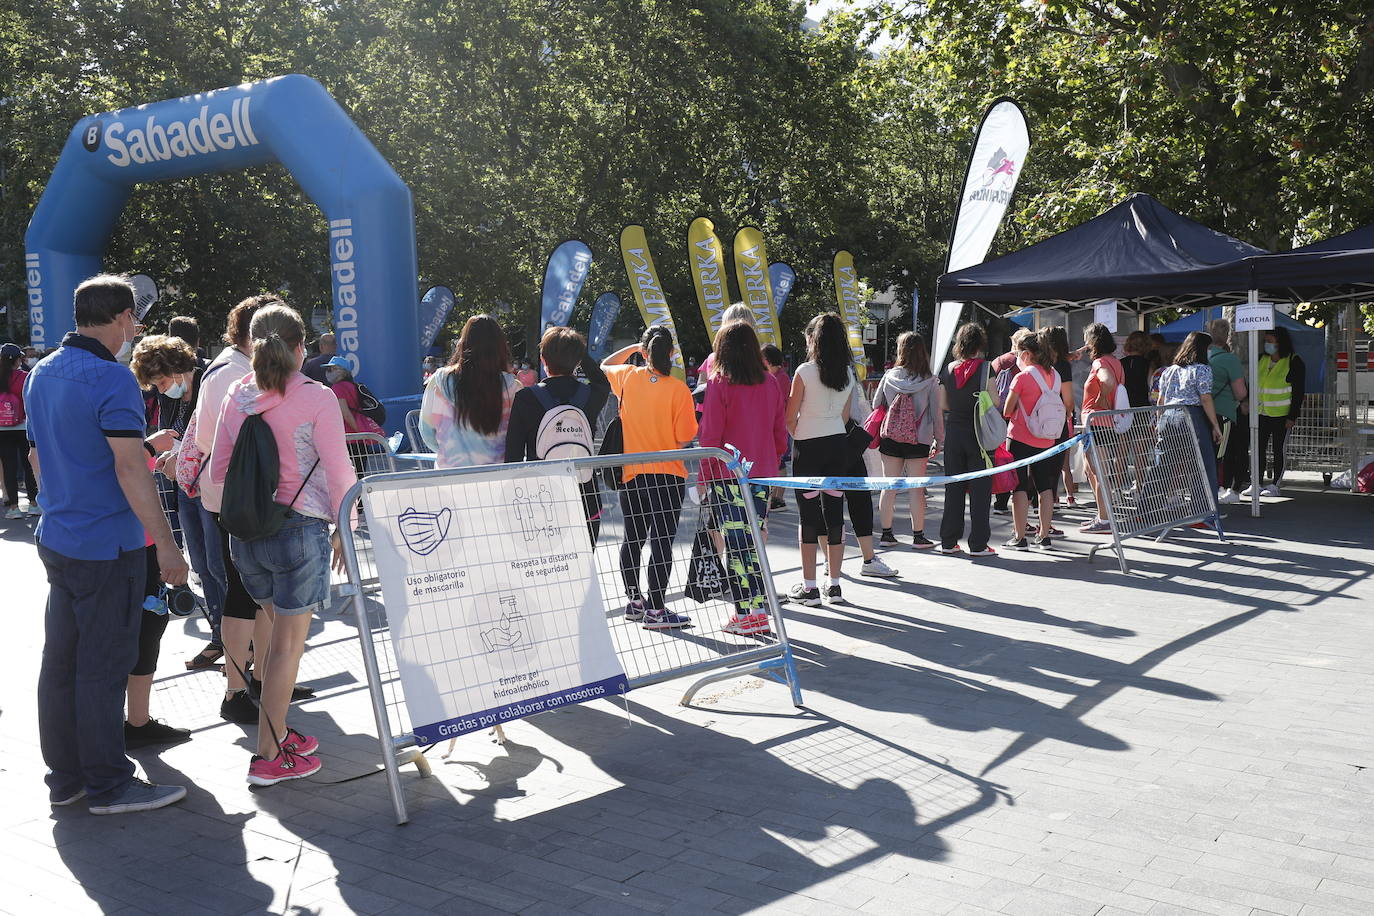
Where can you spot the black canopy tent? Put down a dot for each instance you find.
(1139, 252)
(1146, 257)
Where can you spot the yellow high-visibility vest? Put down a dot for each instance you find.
(1275, 395)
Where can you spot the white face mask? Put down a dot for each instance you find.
(176, 392)
(30, 362)
(127, 345)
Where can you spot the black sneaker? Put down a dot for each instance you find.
(1015, 543)
(834, 596)
(1043, 542)
(1002, 511)
(239, 708)
(153, 733)
(776, 503)
(808, 597)
(298, 692)
(921, 542)
(888, 539)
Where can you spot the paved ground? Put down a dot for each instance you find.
(1037, 735)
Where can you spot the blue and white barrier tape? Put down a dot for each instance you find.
(908, 483)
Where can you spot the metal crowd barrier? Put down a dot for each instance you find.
(412, 430)
(1154, 478)
(705, 650)
(371, 454)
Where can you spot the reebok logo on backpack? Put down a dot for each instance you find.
(564, 430)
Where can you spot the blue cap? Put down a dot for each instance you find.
(339, 362)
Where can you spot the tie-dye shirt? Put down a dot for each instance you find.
(457, 444)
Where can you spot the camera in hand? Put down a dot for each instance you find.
(181, 601)
(177, 600)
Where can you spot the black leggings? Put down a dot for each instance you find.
(1272, 429)
(825, 456)
(151, 626)
(859, 503)
(237, 602)
(651, 504)
(14, 456)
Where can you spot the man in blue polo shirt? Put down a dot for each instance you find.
(85, 429)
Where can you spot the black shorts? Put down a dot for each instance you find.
(904, 450)
(1038, 477)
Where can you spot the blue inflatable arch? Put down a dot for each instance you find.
(288, 119)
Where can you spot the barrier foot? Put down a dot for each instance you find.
(413, 755)
(768, 668)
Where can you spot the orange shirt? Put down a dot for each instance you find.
(657, 414)
(1094, 395)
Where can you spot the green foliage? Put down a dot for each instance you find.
(523, 123)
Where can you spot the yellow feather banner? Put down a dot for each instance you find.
(751, 270)
(707, 262)
(648, 291)
(847, 295)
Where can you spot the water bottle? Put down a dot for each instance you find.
(156, 604)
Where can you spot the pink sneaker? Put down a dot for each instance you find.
(296, 743)
(285, 767)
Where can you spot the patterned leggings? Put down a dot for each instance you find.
(741, 554)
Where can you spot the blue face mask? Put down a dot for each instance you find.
(1271, 348)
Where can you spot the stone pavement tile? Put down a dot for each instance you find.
(1361, 892)
(347, 897)
(608, 907)
(1096, 893)
(1195, 901)
(1020, 900)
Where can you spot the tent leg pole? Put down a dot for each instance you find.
(1256, 459)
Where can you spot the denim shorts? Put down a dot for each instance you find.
(290, 569)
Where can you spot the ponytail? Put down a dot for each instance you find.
(658, 343)
(276, 332)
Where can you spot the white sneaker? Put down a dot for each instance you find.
(1248, 491)
(1271, 490)
(876, 567)
(35, 509)
(1227, 497)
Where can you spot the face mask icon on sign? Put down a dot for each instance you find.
(423, 532)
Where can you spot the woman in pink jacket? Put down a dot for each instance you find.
(744, 408)
(286, 573)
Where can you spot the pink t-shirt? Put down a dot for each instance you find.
(749, 417)
(348, 393)
(1028, 392)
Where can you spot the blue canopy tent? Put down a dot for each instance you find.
(1309, 342)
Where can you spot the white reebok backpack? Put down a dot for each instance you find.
(1046, 421)
(564, 432)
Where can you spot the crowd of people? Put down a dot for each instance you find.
(261, 533)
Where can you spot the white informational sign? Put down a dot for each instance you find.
(492, 597)
(1105, 313)
(1255, 316)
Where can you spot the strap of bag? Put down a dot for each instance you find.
(205, 458)
(1044, 390)
(304, 482)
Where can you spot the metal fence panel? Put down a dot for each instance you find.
(1153, 474)
(653, 529)
(371, 454)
